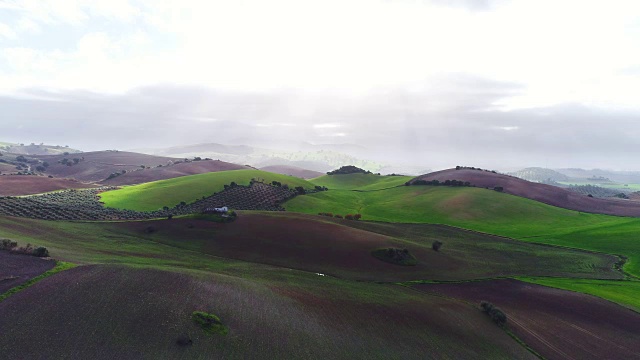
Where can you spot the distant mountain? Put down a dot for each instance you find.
(320, 158)
(600, 175)
(36, 149)
(538, 174)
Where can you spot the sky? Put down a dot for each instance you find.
(435, 83)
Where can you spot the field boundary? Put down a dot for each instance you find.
(60, 266)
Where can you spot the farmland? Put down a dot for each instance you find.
(486, 211)
(363, 182)
(312, 279)
(154, 195)
(555, 323)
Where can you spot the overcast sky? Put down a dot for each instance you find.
(442, 82)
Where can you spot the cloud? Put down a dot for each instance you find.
(326, 126)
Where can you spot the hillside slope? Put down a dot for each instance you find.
(547, 194)
(98, 165)
(140, 176)
(292, 170)
(154, 195)
(363, 182)
(16, 185)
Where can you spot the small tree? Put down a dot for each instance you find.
(41, 252)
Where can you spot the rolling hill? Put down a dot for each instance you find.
(292, 170)
(140, 176)
(16, 185)
(98, 165)
(362, 182)
(547, 194)
(154, 195)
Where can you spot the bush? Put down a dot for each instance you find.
(498, 188)
(395, 256)
(7, 244)
(436, 245)
(497, 315)
(348, 217)
(337, 216)
(357, 217)
(41, 252)
(210, 323)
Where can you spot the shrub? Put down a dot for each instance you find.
(41, 252)
(210, 323)
(7, 244)
(436, 245)
(300, 190)
(357, 217)
(348, 217)
(337, 216)
(498, 188)
(497, 315)
(395, 256)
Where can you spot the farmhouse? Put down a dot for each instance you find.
(215, 210)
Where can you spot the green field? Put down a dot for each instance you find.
(486, 211)
(362, 182)
(154, 195)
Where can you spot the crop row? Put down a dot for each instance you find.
(85, 204)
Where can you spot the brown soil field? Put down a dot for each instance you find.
(16, 185)
(547, 194)
(173, 171)
(333, 247)
(108, 312)
(16, 269)
(293, 171)
(558, 324)
(7, 169)
(98, 165)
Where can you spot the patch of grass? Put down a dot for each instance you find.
(60, 266)
(154, 195)
(395, 256)
(623, 292)
(361, 182)
(210, 323)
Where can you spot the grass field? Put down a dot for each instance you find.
(486, 211)
(362, 182)
(154, 195)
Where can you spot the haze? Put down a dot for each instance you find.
(431, 83)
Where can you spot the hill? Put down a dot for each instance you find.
(553, 321)
(144, 310)
(155, 195)
(36, 149)
(292, 170)
(174, 170)
(483, 210)
(16, 185)
(538, 174)
(547, 194)
(363, 182)
(97, 166)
